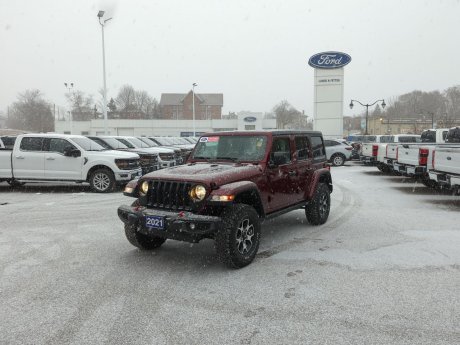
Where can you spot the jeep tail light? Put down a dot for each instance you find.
(422, 156)
(432, 159)
(375, 150)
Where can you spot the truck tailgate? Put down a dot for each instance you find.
(391, 150)
(367, 149)
(447, 159)
(5, 164)
(408, 154)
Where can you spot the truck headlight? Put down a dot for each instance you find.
(144, 188)
(198, 192)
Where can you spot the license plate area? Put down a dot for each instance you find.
(155, 222)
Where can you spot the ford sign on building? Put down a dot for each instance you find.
(328, 97)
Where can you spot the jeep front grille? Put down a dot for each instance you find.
(170, 195)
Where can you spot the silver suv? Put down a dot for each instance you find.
(337, 151)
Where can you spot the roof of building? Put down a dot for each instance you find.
(205, 98)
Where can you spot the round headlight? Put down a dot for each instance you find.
(144, 187)
(198, 193)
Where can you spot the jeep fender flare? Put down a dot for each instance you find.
(319, 176)
(245, 192)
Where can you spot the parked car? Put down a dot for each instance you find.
(178, 155)
(338, 151)
(166, 157)
(232, 182)
(73, 158)
(148, 160)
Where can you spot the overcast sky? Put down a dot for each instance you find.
(254, 52)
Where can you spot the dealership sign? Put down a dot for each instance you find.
(329, 60)
(250, 119)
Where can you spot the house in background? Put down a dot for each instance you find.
(179, 106)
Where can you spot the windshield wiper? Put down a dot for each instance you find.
(234, 159)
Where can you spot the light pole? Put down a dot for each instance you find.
(367, 108)
(69, 87)
(100, 14)
(193, 106)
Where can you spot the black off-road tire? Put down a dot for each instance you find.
(338, 159)
(238, 239)
(317, 210)
(102, 181)
(139, 240)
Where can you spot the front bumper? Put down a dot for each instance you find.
(181, 225)
(166, 164)
(127, 175)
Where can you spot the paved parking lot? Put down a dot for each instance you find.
(384, 269)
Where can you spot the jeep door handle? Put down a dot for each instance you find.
(19, 157)
(50, 159)
(292, 173)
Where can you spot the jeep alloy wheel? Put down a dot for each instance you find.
(237, 241)
(244, 235)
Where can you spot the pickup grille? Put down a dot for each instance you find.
(147, 160)
(170, 195)
(167, 156)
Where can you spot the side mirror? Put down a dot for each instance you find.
(70, 152)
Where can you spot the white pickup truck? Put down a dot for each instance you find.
(369, 149)
(414, 160)
(445, 162)
(428, 137)
(70, 158)
(386, 152)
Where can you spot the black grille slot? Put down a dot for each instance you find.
(171, 195)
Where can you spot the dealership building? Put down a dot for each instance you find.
(166, 127)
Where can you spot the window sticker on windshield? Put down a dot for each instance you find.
(209, 139)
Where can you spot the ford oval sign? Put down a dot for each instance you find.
(250, 119)
(329, 60)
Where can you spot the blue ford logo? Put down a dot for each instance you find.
(329, 60)
(250, 119)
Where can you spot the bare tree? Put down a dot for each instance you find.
(81, 104)
(31, 113)
(451, 115)
(126, 99)
(287, 115)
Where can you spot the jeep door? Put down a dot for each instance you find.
(57, 165)
(281, 174)
(304, 165)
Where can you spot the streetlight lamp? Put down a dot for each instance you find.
(69, 87)
(193, 106)
(367, 108)
(100, 14)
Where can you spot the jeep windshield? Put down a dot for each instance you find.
(231, 148)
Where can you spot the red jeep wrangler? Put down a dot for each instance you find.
(231, 182)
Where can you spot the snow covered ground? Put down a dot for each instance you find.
(384, 269)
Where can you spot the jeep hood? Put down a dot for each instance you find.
(207, 173)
